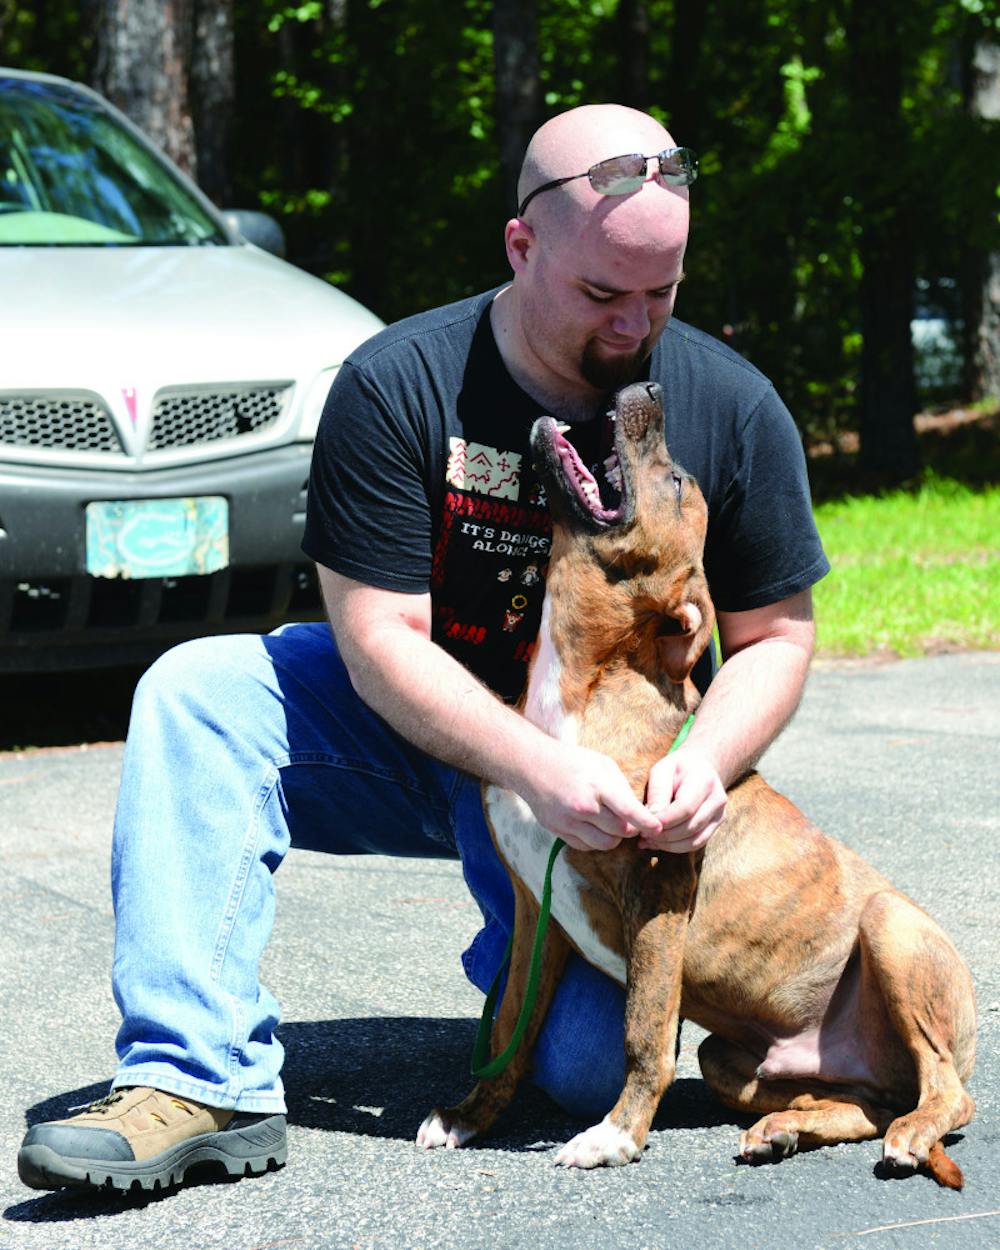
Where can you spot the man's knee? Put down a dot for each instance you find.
(579, 1057)
(198, 669)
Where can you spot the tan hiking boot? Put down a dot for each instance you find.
(148, 1138)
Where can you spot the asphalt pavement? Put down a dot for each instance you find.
(899, 760)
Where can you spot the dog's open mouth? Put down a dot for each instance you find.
(602, 495)
(600, 498)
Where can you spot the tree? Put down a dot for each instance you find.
(841, 155)
(213, 94)
(984, 328)
(685, 103)
(141, 62)
(633, 30)
(887, 401)
(168, 65)
(518, 105)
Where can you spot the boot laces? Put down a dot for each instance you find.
(103, 1105)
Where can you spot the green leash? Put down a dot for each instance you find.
(483, 1068)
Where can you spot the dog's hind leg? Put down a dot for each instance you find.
(454, 1126)
(930, 1002)
(801, 1114)
(916, 1007)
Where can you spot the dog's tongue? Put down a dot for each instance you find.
(584, 482)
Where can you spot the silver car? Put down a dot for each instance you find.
(160, 384)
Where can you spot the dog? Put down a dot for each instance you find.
(837, 1009)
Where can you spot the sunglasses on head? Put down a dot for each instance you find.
(620, 175)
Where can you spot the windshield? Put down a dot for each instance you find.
(71, 174)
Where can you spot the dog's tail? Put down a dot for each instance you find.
(944, 1170)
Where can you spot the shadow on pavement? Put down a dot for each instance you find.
(371, 1077)
(379, 1077)
(63, 709)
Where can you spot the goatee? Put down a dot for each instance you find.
(611, 373)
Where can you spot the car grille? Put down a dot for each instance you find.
(186, 418)
(71, 422)
(182, 417)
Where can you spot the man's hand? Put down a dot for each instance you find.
(686, 793)
(582, 797)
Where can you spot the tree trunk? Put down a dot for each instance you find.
(684, 101)
(988, 381)
(369, 31)
(632, 21)
(983, 315)
(518, 86)
(889, 452)
(142, 54)
(213, 93)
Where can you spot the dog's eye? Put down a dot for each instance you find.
(678, 484)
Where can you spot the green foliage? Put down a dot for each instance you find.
(399, 165)
(369, 128)
(50, 38)
(573, 38)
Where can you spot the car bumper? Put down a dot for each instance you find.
(54, 615)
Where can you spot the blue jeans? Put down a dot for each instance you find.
(238, 748)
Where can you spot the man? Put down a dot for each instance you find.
(430, 535)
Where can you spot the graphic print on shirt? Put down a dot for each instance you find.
(493, 542)
(486, 470)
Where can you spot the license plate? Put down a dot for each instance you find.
(157, 537)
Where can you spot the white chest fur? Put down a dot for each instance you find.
(526, 847)
(544, 704)
(525, 844)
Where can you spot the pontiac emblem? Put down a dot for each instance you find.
(128, 394)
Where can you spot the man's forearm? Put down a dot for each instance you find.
(751, 699)
(438, 705)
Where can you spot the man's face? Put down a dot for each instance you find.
(592, 311)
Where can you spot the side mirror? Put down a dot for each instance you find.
(256, 228)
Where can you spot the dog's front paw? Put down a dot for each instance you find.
(604, 1145)
(444, 1128)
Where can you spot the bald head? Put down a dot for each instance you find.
(571, 215)
(577, 139)
(570, 143)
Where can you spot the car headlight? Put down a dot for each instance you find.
(312, 409)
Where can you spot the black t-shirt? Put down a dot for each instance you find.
(422, 481)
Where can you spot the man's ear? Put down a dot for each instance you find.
(685, 633)
(519, 238)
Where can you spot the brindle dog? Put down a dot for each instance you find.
(837, 1009)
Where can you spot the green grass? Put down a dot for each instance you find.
(913, 571)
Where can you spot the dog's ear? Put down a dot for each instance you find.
(685, 632)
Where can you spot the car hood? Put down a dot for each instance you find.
(95, 317)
